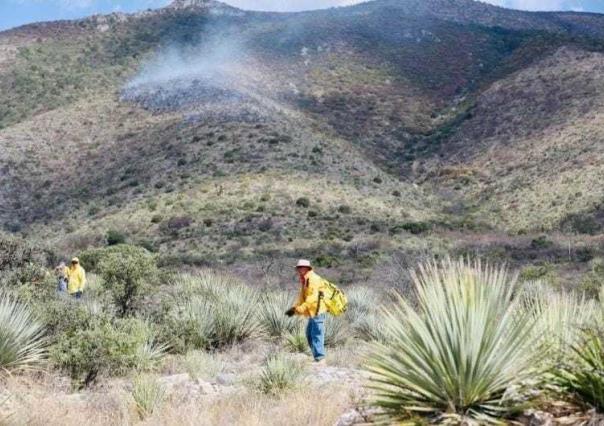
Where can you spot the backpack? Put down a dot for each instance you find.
(335, 300)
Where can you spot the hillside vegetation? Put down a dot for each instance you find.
(207, 133)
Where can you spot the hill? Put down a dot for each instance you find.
(212, 134)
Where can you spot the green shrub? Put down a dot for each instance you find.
(22, 344)
(459, 352)
(345, 209)
(415, 228)
(303, 202)
(272, 319)
(20, 262)
(279, 374)
(64, 316)
(148, 395)
(127, 275)
(541, 243)
(114, 237)
(544, 273)
(107, 348)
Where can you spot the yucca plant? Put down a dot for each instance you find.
(22, 343)
(583, 376)
(559, 317)
(148, 394)
(337, 331)
(370, 328)
(226, 318)
(271, 315)
(278, 374)
(458, 352)
(295, 341)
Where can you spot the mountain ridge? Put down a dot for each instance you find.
(378, 122)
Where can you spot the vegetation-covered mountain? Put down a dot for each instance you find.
(208, 133)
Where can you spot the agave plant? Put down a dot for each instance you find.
(459, 351)
(22, 344)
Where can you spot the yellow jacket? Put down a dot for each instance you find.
(308, 298)
(77, 278)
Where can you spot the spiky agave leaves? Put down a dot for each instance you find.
(459, 351)
(560, 317)
(22, 344)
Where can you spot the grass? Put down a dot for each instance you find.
(22, 344)
(460, 351)
(203, 365)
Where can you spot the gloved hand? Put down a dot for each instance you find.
(290, 312)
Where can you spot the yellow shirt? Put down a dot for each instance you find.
(308, 299)
(77, 278)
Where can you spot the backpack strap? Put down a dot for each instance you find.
(319, 302)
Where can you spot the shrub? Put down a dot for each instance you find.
(20, 262)
(107, 348)
(457, 353)
(22, 344)
(345, 209)
(303, 202)
(114, 237)
(148, 394)
(541, 243)
(173, 225)
(127, 274)
(415, 228)
(272, 319)
(279, 374)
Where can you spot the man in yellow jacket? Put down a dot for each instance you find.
(310, 304)
(76, 278)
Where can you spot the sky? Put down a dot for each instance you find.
(18, 12)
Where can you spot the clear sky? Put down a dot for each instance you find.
(19, 12)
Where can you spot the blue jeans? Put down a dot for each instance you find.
(315, 335)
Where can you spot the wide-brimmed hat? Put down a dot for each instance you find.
(303, 263)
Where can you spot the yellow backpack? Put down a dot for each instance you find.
(335, 300)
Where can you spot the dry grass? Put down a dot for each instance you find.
(305, 406)
(42, 402)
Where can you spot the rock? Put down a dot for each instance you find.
(175, 381)
(350, 418)
(226, 379)
(206, 388)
